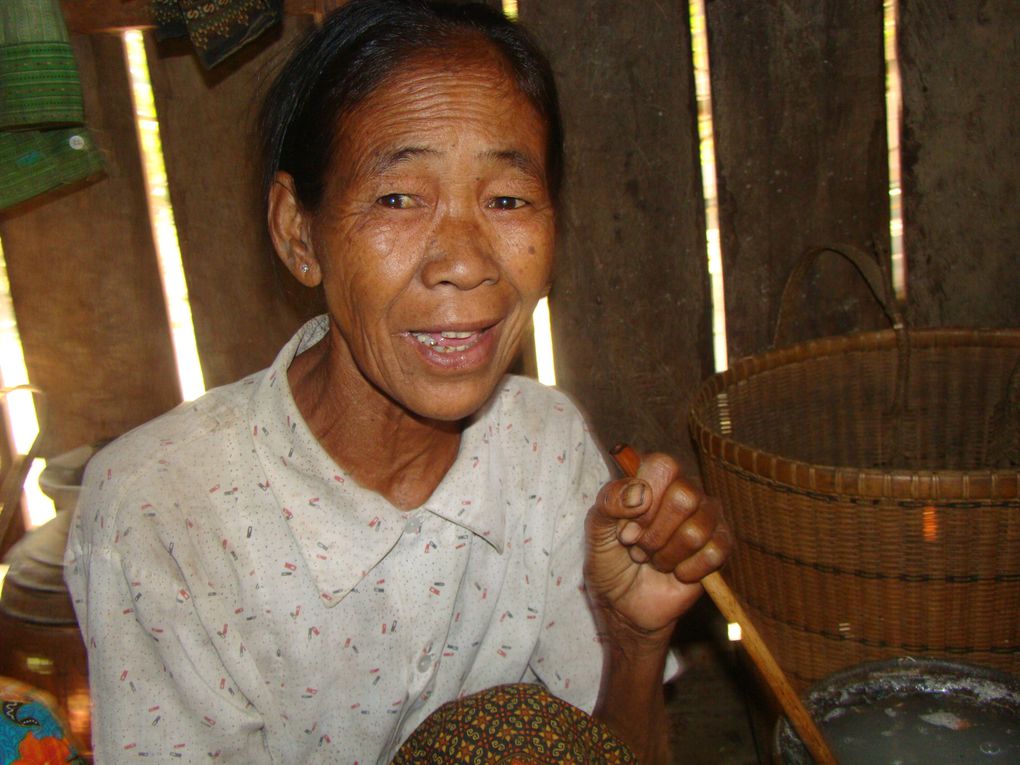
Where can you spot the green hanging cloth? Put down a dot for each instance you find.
(44, 144)
(216, 28)
(33, 162)
(39, 84)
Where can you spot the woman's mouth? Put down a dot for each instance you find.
(448, 341)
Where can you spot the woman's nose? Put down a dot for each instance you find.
(460, 253)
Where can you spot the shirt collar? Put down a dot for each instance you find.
(342, 529)
(471, 493)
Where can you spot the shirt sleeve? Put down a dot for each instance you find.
(159, 687)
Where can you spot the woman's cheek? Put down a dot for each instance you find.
(537, 265)
(532, 249)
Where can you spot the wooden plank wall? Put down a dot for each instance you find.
(961, 153)
(798, 90)
(800, 133)
(630, 302)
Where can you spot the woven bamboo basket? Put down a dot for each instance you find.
(872, 482)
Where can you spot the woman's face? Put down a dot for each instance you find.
(435, 235)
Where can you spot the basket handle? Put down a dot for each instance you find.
(879, 282)
(867, 266)
(1004, 426)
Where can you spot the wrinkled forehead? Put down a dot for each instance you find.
(470, 70)
(469, 82)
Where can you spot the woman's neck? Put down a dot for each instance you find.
(376, 441)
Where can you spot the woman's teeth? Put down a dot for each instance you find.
(438, 341)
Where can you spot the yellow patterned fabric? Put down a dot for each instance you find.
(520, 724)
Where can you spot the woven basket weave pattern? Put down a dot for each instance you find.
(864, 535)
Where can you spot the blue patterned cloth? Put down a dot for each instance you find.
(31, 730)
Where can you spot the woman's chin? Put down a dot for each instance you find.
(453, 402)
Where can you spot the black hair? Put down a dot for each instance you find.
(345, 59)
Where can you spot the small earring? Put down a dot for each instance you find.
(305, 268)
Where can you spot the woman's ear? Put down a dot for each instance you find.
(289, 228)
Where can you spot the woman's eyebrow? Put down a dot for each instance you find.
(381, 162)
(516, 159)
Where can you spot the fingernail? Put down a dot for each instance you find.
(634, 495)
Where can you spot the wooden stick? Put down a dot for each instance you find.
(721, 594)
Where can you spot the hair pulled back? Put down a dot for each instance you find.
(356, 48)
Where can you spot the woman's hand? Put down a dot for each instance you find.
(651, 539)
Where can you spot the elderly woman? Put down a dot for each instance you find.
(304, 566)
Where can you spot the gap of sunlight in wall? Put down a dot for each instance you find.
(894, 111)
(706, 152)
(544, 360)
(703, 90)
(21, 422)
(161, 216)
(540, 320)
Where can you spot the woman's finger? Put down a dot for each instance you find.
(706, 560)
(683, 531)
(655, 474)
(611, 518)
(683, 526)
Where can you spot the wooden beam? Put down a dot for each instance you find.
(89, 16)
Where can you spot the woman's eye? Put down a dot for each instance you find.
(506, 203)
(396, 201)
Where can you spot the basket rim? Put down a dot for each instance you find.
(845, 480)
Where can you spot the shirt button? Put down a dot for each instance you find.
(424, 663)
(413, 526)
